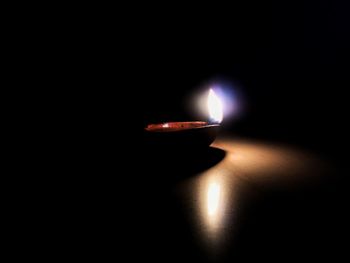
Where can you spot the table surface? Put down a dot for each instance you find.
(241, 199)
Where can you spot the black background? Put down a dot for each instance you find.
(137, 66)
(290, 60)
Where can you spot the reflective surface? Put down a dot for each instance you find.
(237, 196)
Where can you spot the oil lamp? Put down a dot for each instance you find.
(190, 134)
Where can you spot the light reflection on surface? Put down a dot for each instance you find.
(269, 163)
(213, 199)
(213, 193)
(217, 193)
(213, 205)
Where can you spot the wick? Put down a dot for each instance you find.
(212, 121)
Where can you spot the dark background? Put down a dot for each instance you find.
(290, 60)
(137, 66)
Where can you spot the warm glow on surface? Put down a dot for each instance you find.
(214, 107)
(213, 198)
(217, 195)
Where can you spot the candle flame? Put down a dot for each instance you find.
(214, 107)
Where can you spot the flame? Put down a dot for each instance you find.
(214, 107)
